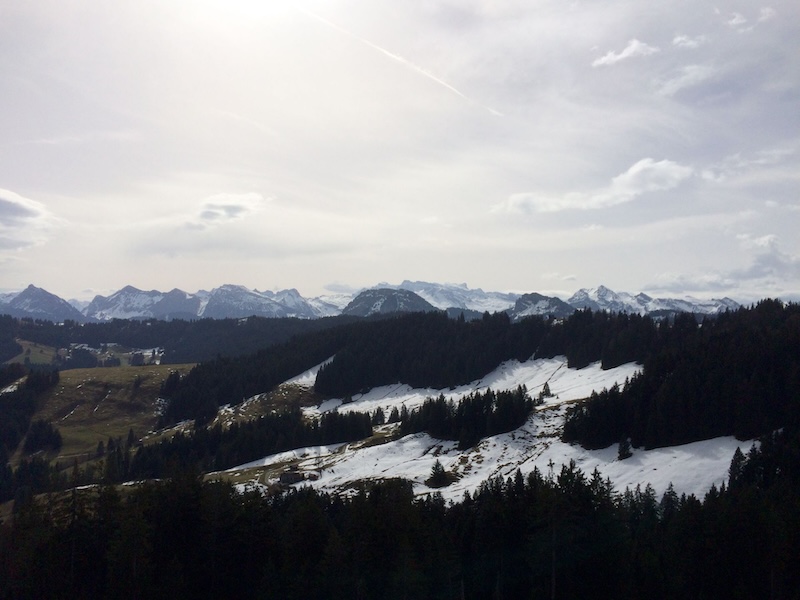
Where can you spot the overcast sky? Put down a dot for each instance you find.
(514, 145)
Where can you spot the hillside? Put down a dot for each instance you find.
(691, 469)
(92, 405)
(315, 494)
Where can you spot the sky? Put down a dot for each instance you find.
(331, 145)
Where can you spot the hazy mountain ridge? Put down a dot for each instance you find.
(603, 298)
(236, 301)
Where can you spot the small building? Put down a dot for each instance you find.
(290, 477)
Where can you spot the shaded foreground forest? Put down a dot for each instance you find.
(565, 535)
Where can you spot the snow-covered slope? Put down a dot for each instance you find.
(692, 468)
(237, 301)
(294, 304)
(329, 305)
(127, 303)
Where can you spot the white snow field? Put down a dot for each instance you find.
(691, 469)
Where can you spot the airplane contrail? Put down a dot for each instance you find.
(400, 59)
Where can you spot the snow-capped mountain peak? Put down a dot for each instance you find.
(458, 295)
(235, 301)
(39, 303)
(603, 298)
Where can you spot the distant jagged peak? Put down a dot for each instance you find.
(457, 295)
(39, 303)
(177, 292)
(128, 289)
(536, 304)
(604, 298)
(232, 287)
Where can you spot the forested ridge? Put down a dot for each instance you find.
(564, 534)
(738, 374)
(182, 341)
(426, 350)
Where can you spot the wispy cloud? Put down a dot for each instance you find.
(686, 77)
(738, 163)
(766, 13)
(646, 176)
(633, 49)
(736, 20)
(741, 24)
(401, 60)
(684, 41)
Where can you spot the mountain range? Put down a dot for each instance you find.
(236, 301)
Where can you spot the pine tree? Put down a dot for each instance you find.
(439, 477)
(624, 450)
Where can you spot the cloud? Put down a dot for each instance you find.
(766, 13)
(677, 283)
(23, 222)
(684, 41)
(738, 163)
(687, 76)
(644, 177)
(767, 270)
(740, 23)
(769, 261)
(407, 63)
(634, 48)
(736, 20)
(225, 208)
(341, 288)
(748, 242)
(555, 275)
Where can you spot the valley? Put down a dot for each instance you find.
(604, 451)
